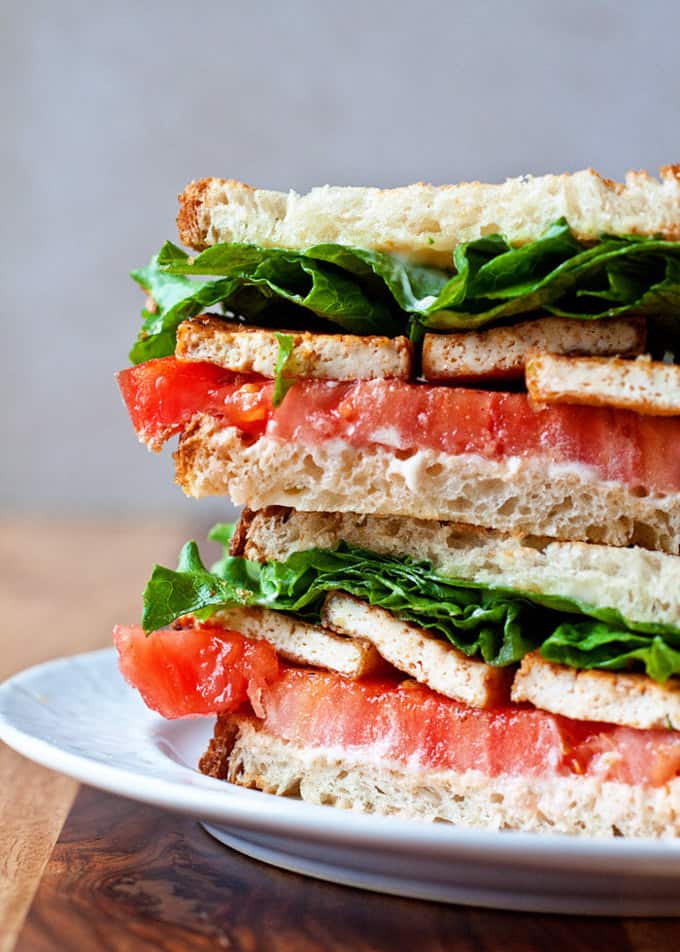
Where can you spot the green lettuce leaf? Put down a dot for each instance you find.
(282, 384)
(613, 648)
(498, 625)
(369, 292)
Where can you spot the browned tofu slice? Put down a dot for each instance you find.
(643, 385)
(244, 349)
(419, 652)
(632, 700)
(500, 353)
(302, 642)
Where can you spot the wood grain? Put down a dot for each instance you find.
(63, 584)
(129, 877)
(34, 803)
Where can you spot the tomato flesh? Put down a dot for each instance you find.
(163, 395)
(195, 671)
(405, 722)
(618, 445)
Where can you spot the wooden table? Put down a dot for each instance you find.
(85, 870)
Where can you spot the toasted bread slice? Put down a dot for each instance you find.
(426, 222)
(302, 642)
(643, 385)
(632, 700)
(246, 349)
(643, 586)
(499, 353)
(511, 495)
(419, 652)
(244, 752)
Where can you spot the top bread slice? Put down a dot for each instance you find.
(425, 222)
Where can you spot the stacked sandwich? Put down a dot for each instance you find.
(453, 415)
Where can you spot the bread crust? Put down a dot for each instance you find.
(510, 495)
(244, 753)
(425, 222)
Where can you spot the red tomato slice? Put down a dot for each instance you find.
(632, 756)
(163, 395)
(618, 444)
(406, 722)
(195, 671)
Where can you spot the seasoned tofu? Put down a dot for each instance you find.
(301, 642)
(245, 349)
(643, 385)
(500, 353)
(419, 652)
(632, 700)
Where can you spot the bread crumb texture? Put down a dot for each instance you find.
(425, 222)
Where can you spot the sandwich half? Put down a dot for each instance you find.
(444, 673)
(453, 415)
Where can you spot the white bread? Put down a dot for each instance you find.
(246, 754)
(418, 652)
(246, 349)
(633, 700)
(500, 352)
(426, 222)
(642, 385)
(302, 642)
(511, 495)
(643, 586)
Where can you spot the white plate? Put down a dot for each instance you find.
(77, 716)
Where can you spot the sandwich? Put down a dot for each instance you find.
(452, 415)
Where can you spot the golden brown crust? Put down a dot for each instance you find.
(240, 537)
(191, 202)
(215, 761)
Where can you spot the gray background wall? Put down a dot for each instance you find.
(109, 109)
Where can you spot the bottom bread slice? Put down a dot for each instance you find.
(244, 753)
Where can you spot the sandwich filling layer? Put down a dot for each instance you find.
(599, 443)
(382, 719)
(496, 624)
(360, 290)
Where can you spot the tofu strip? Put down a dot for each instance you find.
(418, 652)
(631, 700)
(643, 385)
(303, 643)
(245, 349)
(500, 353)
